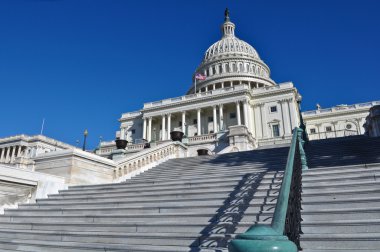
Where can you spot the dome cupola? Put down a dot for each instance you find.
(231, 61)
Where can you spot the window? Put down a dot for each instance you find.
(133, 131)
(220, 69)
(276, 130)
(179, 124)
(227, 68)
(328, 129)
(234, 68)
(312, 131)
(241, 68)
(208, 72)
(195, 121)
(273, 109)
(348, 126)
(232, 115)
(210, 119)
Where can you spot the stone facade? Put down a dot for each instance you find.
(20, 149)
(237, 91)
(338, 121)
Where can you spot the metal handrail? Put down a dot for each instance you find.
(283, 232)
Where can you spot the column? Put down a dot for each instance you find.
(215, 119)
(245, 111)
(263, 121)
(149, 129)
(257, 112)
(2, 155)
(144, 128)
(238, 113)
(290, 115)
(253, 121)
(286, 118)
(122, 133)
(222, 84)
(169, 125)
(7, 156)
(221, 119)
(19, 151)
(282, 117)
(13, 154)
(183, 122)
(163, 131)
(213, 87)
(199, 122)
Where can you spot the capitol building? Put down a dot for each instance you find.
(232, 165)
(234, 106)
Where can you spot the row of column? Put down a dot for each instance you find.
(147, 122)
(9, 154)
(230, 84)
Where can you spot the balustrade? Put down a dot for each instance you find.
(283, 234)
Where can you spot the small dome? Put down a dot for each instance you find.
(230, 45)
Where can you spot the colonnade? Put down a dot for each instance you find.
(10, 153)
(228, 84)
(218, 121)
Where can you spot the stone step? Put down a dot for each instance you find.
(149, 184)
(156, 239)
(54, 246)
(342, 226)
(245, 186)
(125, 202)
(147, 217)
(194, 227)
(156, 187)
(356, 241)
(243, 207)
(342, 214)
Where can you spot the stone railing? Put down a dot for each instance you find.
(130, 114)
(195, 96)
(135, 164)
(341, 107)
(276, 140)
(135, 147)
(202, 138)
(332, 134)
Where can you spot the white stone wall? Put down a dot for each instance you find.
(339, 121)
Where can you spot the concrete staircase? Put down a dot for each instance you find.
(341, 195)
(190, 204)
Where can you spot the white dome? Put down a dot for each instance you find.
(230, 45)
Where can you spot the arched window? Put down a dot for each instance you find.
(227, 68)
(220, 69)
(234, 67)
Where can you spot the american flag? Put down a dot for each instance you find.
(199, 76)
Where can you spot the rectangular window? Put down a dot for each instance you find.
(195, 121)
(276, 130)
(273, 109)
(312, 131)
(328, 129)
(133, 131)
(232, 115)
(179, 124)
(210, 119)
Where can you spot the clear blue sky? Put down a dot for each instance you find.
(81, 63)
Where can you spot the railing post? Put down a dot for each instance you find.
(271, 238)
(302, 150)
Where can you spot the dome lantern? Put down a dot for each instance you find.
(228, 28)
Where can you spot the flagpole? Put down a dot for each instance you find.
(42, 127)
(195, 84)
